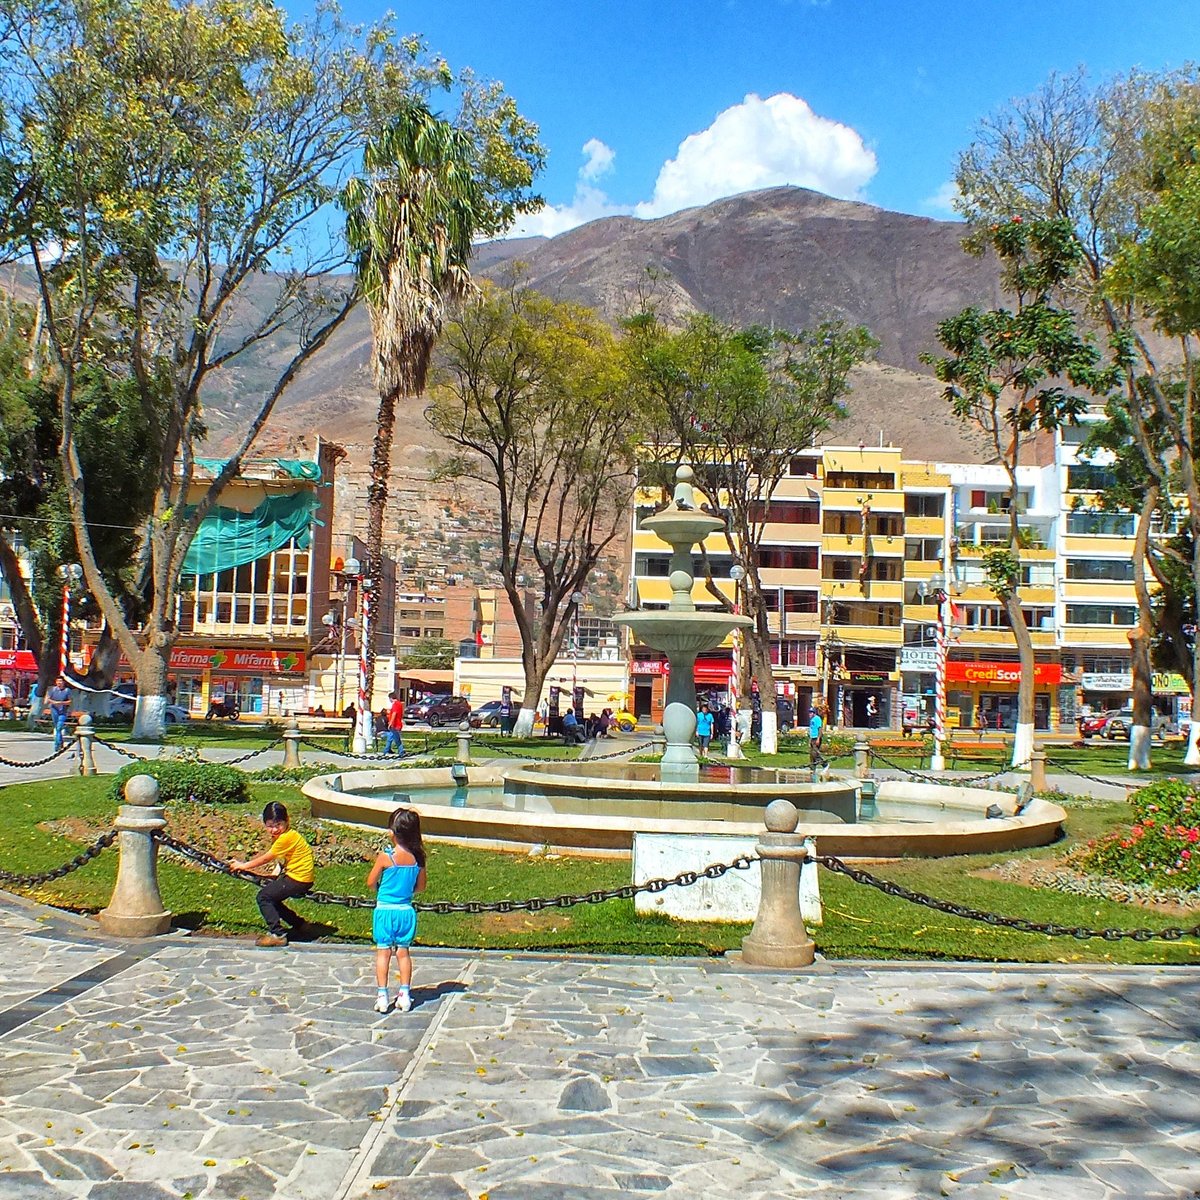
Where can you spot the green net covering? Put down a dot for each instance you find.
(229, 538)
(295, 468)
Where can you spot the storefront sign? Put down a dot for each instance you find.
(1105, 681)
(17, 660)
(1005, 673)
(1169, 683)
(250, 662)
(649, 666)
(869, 676)
(918, 658)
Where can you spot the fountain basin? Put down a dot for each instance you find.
(944, 820)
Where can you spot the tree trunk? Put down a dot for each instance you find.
(1139, 644)
(1023, 741)
(768, 737)
(150, 716)
(537, 667)
(377, 497)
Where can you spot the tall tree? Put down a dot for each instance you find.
(739, 405)
(1005, 372)
(1117, 164)
(532, 394)
(168, 168)
(428, 188)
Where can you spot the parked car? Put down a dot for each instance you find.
(1095, 724)
(123, 705)
(1115, 724)
(441, 710)
(486, 716)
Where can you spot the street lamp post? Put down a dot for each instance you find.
(734, 748)
(937, 584)
(70, 574)
(833, 652)
(338, 623)
(576, 601)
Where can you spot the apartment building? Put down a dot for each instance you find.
(857, 543)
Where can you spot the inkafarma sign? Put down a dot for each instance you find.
(236, 662)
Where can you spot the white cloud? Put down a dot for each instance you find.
(758, 144)
(755, 144)
(941, 203)
(599, 159)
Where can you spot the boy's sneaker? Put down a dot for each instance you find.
(381, 1002)
(403, 1001)
(271, 939)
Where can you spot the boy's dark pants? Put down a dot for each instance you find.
(271, 897)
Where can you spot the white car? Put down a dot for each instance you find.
(122, 707)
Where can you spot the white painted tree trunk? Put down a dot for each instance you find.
(150, 718)
(1022, 746)
(524, 726)
(768, 738)
(1139, 748)
(1192, 757)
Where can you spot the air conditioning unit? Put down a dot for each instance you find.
(1047, 624)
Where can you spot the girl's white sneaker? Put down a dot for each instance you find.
(381, 1003)
(403, 1001)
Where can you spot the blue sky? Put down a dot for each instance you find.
(644, 106)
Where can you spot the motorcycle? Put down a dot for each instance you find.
(228, 709)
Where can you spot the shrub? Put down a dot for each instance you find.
(185, 780)
(1162, 846)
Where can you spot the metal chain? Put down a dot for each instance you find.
(947, 780)
(116, 748)
(1172, 933)
(40, 762)
(80, 860)
(429, 747)
(233, 762)
(210, 862)
(1060, 766)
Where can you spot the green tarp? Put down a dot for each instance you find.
(296, 468)
(229, 538)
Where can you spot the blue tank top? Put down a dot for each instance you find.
(396, 886)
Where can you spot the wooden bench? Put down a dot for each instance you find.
(977, 751)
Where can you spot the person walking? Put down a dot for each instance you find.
(295, 880)
(395, 876)
(816, 734)
(872, 711)
(59, 697)
(393, 742)
(704, 729)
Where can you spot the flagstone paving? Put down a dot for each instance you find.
(192, 1068)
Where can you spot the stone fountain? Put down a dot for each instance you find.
(681, 631)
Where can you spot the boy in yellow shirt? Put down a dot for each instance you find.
(296, 879)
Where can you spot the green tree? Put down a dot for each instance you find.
(168, 168)
(1005, 371)
(430, 653)
(532, 395)
(428, 188)
(739, 405)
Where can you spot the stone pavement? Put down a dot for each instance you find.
(207, 1068)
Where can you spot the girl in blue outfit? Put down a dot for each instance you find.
(397, 875)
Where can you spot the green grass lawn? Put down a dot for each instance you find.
(44, 824)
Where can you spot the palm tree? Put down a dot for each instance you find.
(411, 217)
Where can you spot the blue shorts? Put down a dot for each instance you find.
(391, 927)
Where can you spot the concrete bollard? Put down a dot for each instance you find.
(862, 760)
(779, 938)
(84, 732)
(463, 753)
(136, 908)
(1037, 770)
(291, 744)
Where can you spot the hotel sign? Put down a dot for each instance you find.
(918, 658)
(1006, 673)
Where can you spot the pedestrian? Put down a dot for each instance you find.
(872, 711)
(7, 702)
(397, 874)
(294, 880)
(350, 713)
(60, 709)
(395, 725)
(816, 733)
(704, 729)
(572, 734)
(980, 722)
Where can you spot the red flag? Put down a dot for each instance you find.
(479, 636)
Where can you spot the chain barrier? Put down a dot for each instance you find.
(80, 860)
(210, 862)
(116, 748)
(66, 748)
(430, 746)
(233, 762)
(1061, 766)
(1172, 933)
(944, 779)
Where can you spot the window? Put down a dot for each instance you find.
(878, 481)
(923, 550)
(866, 614)
(794, 653)
(802, 468)
(1101, 614)
(1117, 569)
(785, 512)
(839, 568)
(1100, 524)
(1087, 477)
(799, 558)
(918, 505)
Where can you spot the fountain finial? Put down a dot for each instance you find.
(684, 496)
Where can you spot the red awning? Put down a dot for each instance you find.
(18, 660)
